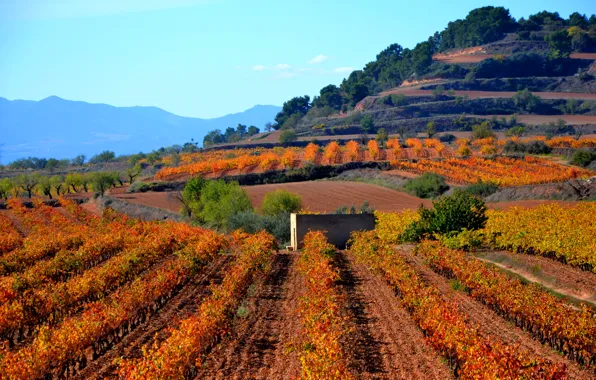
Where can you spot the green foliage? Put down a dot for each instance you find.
(281, 201)
(382, 135)
(465, 240)
(191, 196)
(138, 187)
(367, 124)
(219, 200)
(481, 26)
(451, 214)
(532, 147)
(6, 187)
(105, 156)
(102, 181)
(482, 131)
(329, 96)
(583, 158)
(287, 136)
(431, 129)
(482, 189)
(517, 131)
(251, 222)
(252, 130)
(438, 91)
(428, 185)
(396, 100)
(78, 160)
(298, 105)
(365, 208)
(28, 183)
(559, 43)
(447, 138)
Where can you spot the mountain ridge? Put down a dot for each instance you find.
(62, 128)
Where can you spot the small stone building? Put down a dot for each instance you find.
(338, 227)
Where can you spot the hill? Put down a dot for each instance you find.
(56, 127)
(463, 74)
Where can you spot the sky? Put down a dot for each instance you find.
(208, 58)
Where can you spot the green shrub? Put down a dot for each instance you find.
(447, 138)
(138, 187)
(532, 147)
(482, 189)
(428, 185)
(583, 158)
(219, 201)
(280, 201)
(465, 240)
(364, 209)
(287, 136)
(191, 196)
(251, 222)
(451, 214)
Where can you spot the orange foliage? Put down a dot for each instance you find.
(310, 152)
(353, 149)
(373, 149)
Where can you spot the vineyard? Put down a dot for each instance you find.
(463, 163)
(86, 296)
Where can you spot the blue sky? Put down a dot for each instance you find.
(207, 58)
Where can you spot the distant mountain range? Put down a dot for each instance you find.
(55, 127)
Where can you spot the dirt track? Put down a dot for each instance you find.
(490, 323)
(560, 277)
(260, 346)
(385, 342)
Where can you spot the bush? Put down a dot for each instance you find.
(281, 201)
(465, 240)
(251, 222)
(428, 185)
(364, 209)
(532, 147)
(482, 189)
(287, 136)
(449, 215)
(102, 181)
(583, 158)
(447, 138)
(191, 196)
(367, 124)
(219, 201)
(138, 187)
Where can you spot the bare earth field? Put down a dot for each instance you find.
(328, 196)
(323, 196)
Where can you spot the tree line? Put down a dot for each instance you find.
(57, 185)
(396, 64)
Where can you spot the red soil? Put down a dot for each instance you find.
(163, 200)
(327, 196)
(562, 278)
(489, 322)
(260, 344)
(384, 342)
(321, 196)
